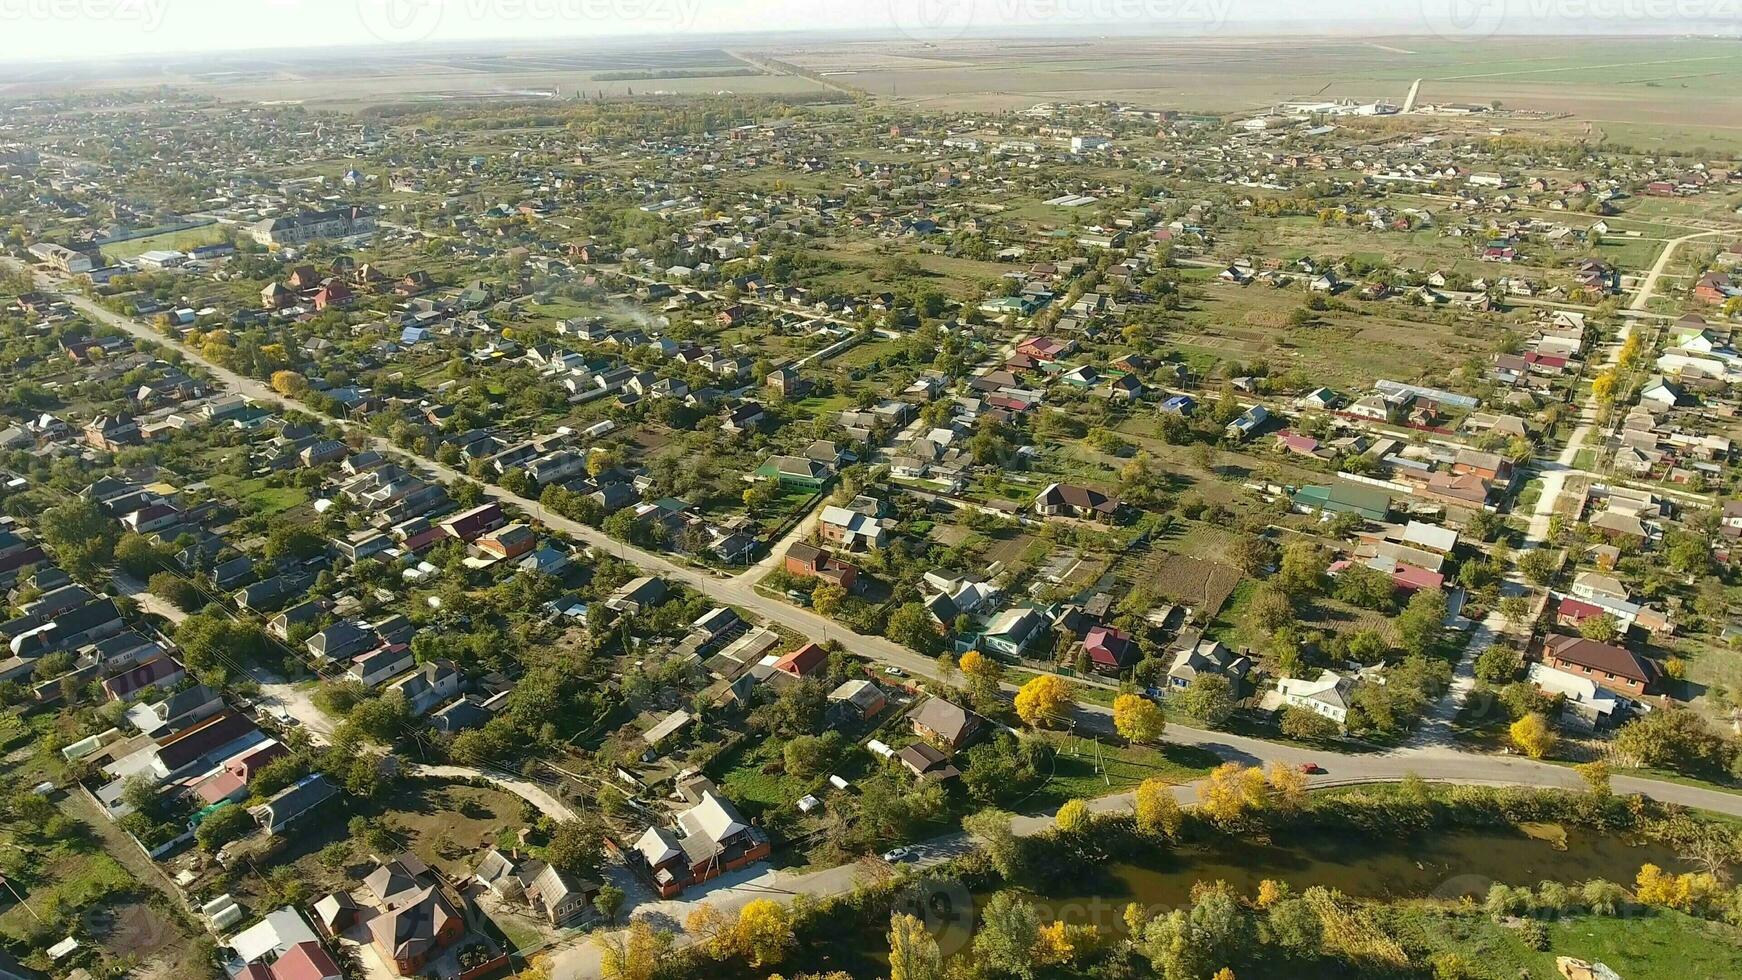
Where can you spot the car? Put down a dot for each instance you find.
(900, 855)
(895, 672)
(801, 598)
(1311, 768)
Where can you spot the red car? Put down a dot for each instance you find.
(1311, 768)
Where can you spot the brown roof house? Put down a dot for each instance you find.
(945, 724)
(1069, 500)
(417, 919)
(1612, 667)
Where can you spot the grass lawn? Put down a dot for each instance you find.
(1086, 769)
(1657, 945)
(258, 495)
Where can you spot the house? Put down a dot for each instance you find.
(851, 530)
(289, 805)
(637, 594)
(1485, 466)
(803, 662)
(273, 937)
(379, 666)
(927, 762)
(1013, 631)
(307, 960)
(507, 542)
(1329, 694)
(562, 899)
(808, 561)
(1248, 423)
(1344, 498)
(417, 919)
(469, 525)
(712, 839)
(432, 684)
(1586, 704)
(1109, 650)
(299, 229)
(341, 641)
(944, 724)
(1070, 500)
(1615, 668)
(1207, 657)
(859, 698)
(796, 471)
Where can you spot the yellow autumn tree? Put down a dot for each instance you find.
(764, 933)
(1288, 787)
(1073, 817)
(1533, 735)
(1044, 700)
(1225, 973)
(288, 383)
(1138, 719)
(1158, 812)
(1231, 792)
(712, 930)
(1689, 892)
(1270, 891)
(981, 673)
(1052, 945)
(633, 954)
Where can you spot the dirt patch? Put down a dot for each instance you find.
(1203, 585)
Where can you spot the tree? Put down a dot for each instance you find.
(1539, 566)
(82, 536)
(1209, 698)
(1308, 726)
(1138, 719)
(1596, 777)
(1369, 588)
(992, 828)
(1603, 628)
(223, 826)
(1422, 622)
(913, 953)
(609, 902)
(1073, 817)
(911, 626)
(634, 954)
(177, 591)
(1498, 665)
(826, 599)
(810, 755)
(1005, 943)
(1515, 609)
(290, 384)
(1232, 791)
(1302, 573)
(1533, 735)
(1158, 812)
(1673, 738)
(1044, 700)
(764, 932)
(983, 675)
(575, 849)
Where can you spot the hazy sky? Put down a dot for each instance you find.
(39, 29)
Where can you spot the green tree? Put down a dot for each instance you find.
(1009, 927)
(1209, 698)
(223, 826)
(913, 953)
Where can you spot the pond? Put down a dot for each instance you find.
(1445, 865)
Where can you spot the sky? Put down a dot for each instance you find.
(85, 29)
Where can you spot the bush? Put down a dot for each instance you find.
(1534, 934)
